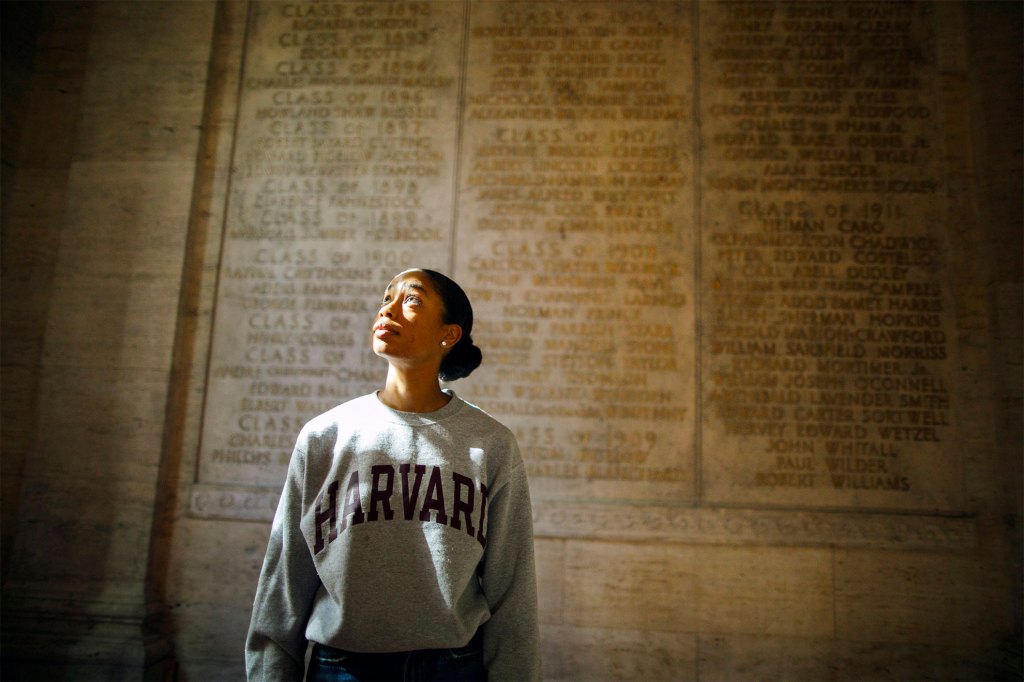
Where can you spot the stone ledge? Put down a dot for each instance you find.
(718, 525)
(700, 525)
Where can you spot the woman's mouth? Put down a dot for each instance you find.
(381, 330)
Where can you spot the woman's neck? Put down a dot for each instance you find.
(407, 393)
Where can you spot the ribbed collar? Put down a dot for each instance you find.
(453, 407)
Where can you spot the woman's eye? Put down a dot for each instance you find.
(412, 299)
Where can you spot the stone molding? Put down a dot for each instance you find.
(658, 522)
(232, 503)
(724, 525)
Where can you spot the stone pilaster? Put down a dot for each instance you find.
(75, 599)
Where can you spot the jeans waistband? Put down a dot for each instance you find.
(466, 663)
(475, 642)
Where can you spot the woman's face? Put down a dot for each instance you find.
(409, 327)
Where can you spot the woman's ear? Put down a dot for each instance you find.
(451, 335)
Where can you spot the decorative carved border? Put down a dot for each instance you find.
(701, 525)
(232, 503)
(718, 525)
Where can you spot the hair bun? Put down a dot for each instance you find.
(460, 362)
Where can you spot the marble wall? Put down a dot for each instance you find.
(114, 195)
(747, 279)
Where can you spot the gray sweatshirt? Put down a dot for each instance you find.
(399, 531)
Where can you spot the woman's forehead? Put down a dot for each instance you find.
(415, 279)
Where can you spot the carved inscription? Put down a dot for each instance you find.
(827, 350)
(576, 186)
(571, 169)
(343, 174)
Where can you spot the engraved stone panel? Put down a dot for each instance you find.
(828, 347)
(580, 168)
(576, 199)
(343, 174)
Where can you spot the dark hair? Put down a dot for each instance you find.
(464, 356)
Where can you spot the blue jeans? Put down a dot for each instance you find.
(465, 664)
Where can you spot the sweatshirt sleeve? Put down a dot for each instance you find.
(511, 637)
(275, 647)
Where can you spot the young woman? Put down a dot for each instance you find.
(402, 547)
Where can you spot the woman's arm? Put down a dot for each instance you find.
(511, 637)
(275, 648)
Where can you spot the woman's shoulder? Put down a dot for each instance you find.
(483, 422)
